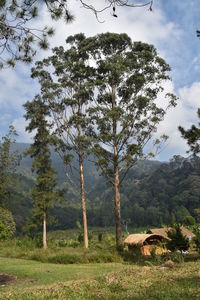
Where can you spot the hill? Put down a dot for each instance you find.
(152, 194)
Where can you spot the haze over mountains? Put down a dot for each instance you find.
(153, 193)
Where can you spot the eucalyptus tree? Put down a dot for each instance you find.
(66, 80)
(126, 112)
(43, 194)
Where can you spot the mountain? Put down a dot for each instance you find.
(152, 194)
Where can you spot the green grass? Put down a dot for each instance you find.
(100, 281)
(52, 273)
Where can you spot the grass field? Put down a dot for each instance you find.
(35, 280)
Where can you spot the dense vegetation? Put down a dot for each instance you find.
(153, 194)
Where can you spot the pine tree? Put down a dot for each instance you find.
(17, 37)
(8, 162)
(177, 240)
(43, 194)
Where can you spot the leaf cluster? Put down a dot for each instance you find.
(18, 37)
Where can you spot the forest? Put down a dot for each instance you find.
(153, 194)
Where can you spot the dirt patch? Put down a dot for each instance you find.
(9, 279)
(6, 279)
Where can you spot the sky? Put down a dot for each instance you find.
(170, 27)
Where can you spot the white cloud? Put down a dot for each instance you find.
(191, 95)
(23, 136)
(184, 114)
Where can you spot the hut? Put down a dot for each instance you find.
(163, 231)
(146, 243)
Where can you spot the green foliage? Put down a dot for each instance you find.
(192, 136)
(8, 162)
(123, 95)
(7, 224)
(3, 232)
(196, 239)
(129, 78)
(189, 220)
(177, 240)
(43, 194)
(18, 40)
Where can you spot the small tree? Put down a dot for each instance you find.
(8, 162)
(177, 240)
(43, 193)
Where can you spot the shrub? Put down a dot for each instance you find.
(197, 237)
(177, 240)
(189, 220)
(38, 240)
(7, 228)
(3, 232)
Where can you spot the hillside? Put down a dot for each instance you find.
(153, 193)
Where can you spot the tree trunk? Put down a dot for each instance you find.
(44, 231)
(116, 177)
(83, 202)
(117, 201)
(82, 183)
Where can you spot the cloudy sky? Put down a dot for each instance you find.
(171, 27)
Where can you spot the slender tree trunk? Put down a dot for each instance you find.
(82, 182)
(117, 201)
(116, 177)
(44, 231)
(83, 202)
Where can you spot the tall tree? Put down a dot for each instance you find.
(129, 81)
(43, 194)
(8, 161)
(66, 81)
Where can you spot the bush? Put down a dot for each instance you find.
(177, 240)
(38, 240)
(197, 237)
(3, 232)
(7, 225)
(189, 220)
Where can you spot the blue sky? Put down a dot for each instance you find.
(171, 27)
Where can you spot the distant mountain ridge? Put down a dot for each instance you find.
(152, 194)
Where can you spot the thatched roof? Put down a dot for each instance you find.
(141, 239)
(163, 231)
